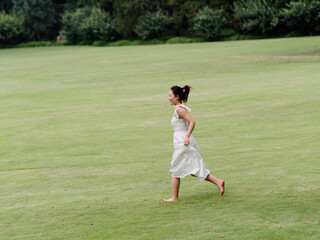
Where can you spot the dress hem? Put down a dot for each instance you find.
(200, 178)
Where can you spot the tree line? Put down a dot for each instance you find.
(109, 20)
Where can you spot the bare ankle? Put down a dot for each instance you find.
(173, 199)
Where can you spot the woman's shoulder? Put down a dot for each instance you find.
(180, 109)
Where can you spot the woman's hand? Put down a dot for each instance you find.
(186, 140)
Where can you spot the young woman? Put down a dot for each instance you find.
(186, 159)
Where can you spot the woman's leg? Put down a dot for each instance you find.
(175, 189)
(218, 182)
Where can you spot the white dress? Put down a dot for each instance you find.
(186, 160)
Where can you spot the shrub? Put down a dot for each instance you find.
(154, 42)
(99, 43)
(88, 24)
(11, 29)
(302, 16)
(208, 23)
(71, 21)
(152, 25)
(256, 16)
(99, 25)
(35, 44)
(40, 44)
(228, 32)
(293, 34)
(84, 43)
(122, 43)
(238, 36)
(184, 40)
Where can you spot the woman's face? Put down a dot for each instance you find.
(174, 100)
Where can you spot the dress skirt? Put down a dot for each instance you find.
(187, 160)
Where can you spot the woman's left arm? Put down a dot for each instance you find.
(184, 114)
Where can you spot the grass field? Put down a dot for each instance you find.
(86, 141)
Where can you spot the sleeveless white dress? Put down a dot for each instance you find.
(186, 160)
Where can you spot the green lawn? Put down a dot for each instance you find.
(86, 141)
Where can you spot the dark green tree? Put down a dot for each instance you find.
(39, 18)
(208, 23)
(127, 13)
(5, 5)
(11, 30)
(302, 17)
(88, 24)
(184, 12)
(152, 25)
(256, 16)
(278, 4)
(106, 5)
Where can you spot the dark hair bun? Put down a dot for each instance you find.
(183, 93)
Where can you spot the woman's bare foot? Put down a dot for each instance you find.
(171, 200)
(221, 187)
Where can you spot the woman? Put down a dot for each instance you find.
(186, 159)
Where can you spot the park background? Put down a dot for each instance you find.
(86, 140)
(136, 22)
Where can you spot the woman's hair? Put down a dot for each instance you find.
(183, 93)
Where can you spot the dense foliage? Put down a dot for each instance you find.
(256, 16)
(11, 28)
(88, 24)
(152, 25)
(184, 13)
(107, 20)
(302, 16)
(127, 13)
(39, 17)
(208, 23)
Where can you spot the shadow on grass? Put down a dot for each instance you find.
(202, 197)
